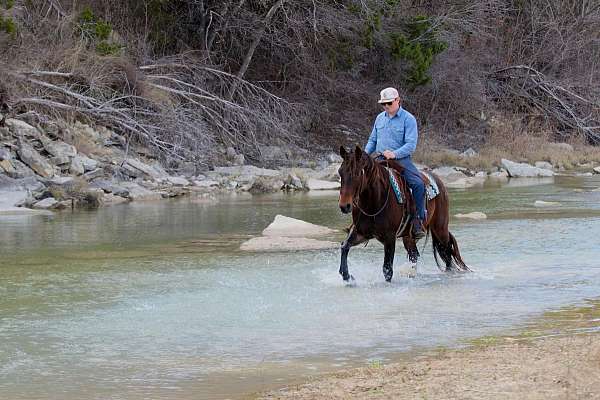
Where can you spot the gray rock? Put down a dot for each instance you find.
(21, 170)
(110, 199)
(449, 174)
(178, 181)
(239, 159)
(206, 183)
(543, 165)
(138, 169)
(138, 193)
(524, 170)
(316, 184)
(95, 174)
(469, 153)
(597, 170)
(19, 128)
(110, 187)
(294, 181)
(59, 148)
(292, 227)
(5, 154)
(46, 204)
(60, 160)
(62, 180)
(76, 166)
(89, 164)
(34, 160)
(247, 170)
(334, 158)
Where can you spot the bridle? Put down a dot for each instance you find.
(355, 203)
(356, 196)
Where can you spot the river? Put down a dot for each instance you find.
(155, 300)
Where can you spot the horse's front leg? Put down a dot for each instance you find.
(411, 249)
(352, 240)
(388, 259)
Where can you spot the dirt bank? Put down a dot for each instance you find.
(558, 359)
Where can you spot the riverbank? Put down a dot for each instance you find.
(557, 357)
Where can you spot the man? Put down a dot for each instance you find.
(395, 136)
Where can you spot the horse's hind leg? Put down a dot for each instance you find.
(388, 259)
(352, 240)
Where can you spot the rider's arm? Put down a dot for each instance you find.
(410, 138)
(372, 143)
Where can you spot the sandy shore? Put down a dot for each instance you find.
(533, 365)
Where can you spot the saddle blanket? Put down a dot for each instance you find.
(431, 187)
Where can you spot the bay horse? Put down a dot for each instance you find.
(367, 192)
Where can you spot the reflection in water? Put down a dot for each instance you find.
(156, 300)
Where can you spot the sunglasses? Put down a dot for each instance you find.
(387, 104)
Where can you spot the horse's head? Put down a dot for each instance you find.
(352, 172)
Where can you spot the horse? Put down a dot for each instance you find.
(366, 190)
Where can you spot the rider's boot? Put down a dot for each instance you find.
(417, 229)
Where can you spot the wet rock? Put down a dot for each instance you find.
(524, 170)
(139, 193)
(110, 199)
(498, 175)
(472, 215)
(291, 227)
(46, 204)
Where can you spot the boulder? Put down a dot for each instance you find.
(62, 180)
(449, 174)
(316, 184)
(5, 154)
(138, 169)
(467, 182)
(269, 243)
(19, 128)
(524, 170)
(138, 193)
(597, 170)
(76, 166)
(46, 204)
(60, 149)
(178, 181)
(472, 215)
(34, 160)
(266, 184)
(291, 227)
(110, 199)
(8, 167)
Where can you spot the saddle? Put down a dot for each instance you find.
(431, 187)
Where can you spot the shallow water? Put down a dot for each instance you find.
(156, 301)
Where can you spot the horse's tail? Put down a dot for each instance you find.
(449, 253)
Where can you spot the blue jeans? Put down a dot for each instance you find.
(415, 183)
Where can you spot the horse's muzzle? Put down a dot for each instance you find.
(345, 208)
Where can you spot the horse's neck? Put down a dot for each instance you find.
(375, 188)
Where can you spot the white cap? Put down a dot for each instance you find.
(388, 95)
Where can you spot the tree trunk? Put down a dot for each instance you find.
(253, 46)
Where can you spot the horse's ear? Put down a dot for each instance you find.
(358, 152)
(343, 152)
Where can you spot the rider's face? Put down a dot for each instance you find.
(392, 107)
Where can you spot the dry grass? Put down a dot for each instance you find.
(511, 141)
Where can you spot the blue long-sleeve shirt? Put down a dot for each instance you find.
(398, 134)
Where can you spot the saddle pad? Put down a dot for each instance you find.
(395, 186)
(431, 186)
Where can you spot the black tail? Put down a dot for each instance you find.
(450, 255)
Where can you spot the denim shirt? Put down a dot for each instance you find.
(398, 134)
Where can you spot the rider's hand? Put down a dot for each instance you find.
(389, 154)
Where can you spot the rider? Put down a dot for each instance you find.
(395, 136)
